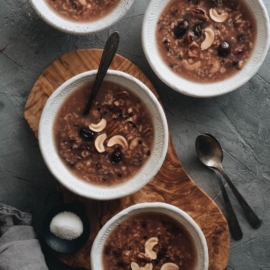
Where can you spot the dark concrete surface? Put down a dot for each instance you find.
(240, 120)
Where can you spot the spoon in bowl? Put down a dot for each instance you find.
(210, 153)
(233, 223)
(106, 59)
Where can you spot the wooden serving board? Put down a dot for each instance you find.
(171, 184)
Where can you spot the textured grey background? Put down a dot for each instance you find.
(240, 121)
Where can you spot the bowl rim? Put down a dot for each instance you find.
(80, 28)
(96, 251)
(194, 89)
(79, 186)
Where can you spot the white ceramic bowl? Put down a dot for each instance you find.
(194, 89)
(180, 216)
(69, 180)
(80, 28)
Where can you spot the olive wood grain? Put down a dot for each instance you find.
(171, 184)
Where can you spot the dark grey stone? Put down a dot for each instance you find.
(240, 120)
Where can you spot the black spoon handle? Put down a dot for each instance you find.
(233, 223)
(106, 59)
(252, 218)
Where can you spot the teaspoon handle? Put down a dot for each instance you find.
(252, 218)
(233, 223)
(106, 59)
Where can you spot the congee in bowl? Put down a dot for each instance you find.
(114, 150)
(81, 17)
(205, 48)
(150, 236)
(112, 143)
(204, 41)
(149, 239)
(82, 10)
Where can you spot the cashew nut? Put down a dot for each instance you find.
(118, 139)
(216, 67)
(98, 127)
(169, 266)
(135, 266)
(99, 142)
(134, 143)
(209, 39)
(149, 244)
(218, 17)
(194, 66)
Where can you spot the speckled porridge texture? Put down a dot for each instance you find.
(112, 143)
(149, 239)
(205, 42)
(83, 10)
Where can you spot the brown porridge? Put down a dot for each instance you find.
(112, 143)
(83, 10)
(205, 41)
(152, 241)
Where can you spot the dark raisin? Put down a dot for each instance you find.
(235, 62)
(74, 4)
(116, 156)
(143, 224)
(87, 134)
(116, 253)
(224, 49)
(197, 30)
(241, 38)
(181, 29)
(121, 263)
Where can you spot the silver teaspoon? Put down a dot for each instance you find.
(233, 223)
(210, 153)
(106, 59)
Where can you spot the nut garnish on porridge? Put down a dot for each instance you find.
(152, 241)
(112, 143)
(82, 10)
(206, 41)
(149, 244)
(99, 126)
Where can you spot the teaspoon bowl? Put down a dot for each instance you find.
(210, 154)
